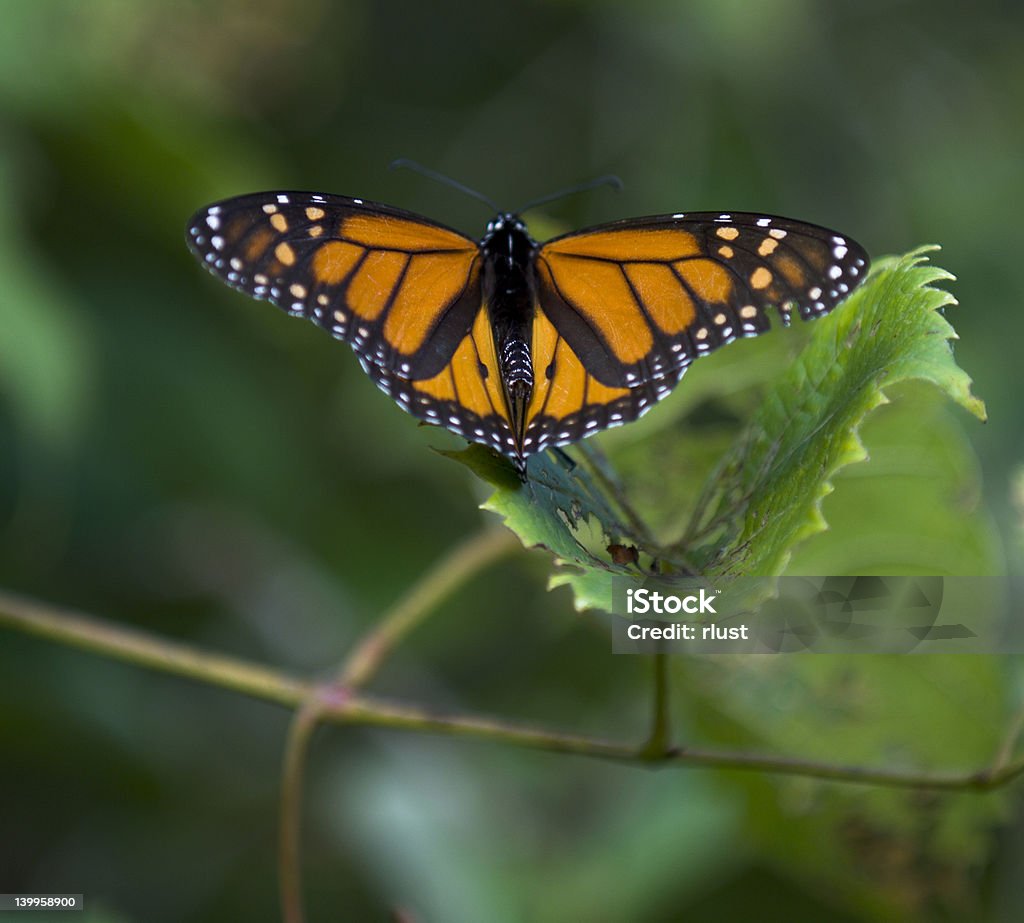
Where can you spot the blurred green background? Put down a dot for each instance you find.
(179, 458)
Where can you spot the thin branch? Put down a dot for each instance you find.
(365, 659)
(275, 686)
(370, 710)
(111, 640)
(289, 857)
(465, 560)
(373, 711)
(659, 743)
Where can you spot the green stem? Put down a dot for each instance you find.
(359, 667)
(69, 627)
(289, 857)
(659, 744)
(372, 711)
(473, 555)
(275, 686)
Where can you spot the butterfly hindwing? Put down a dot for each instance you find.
(465, 397)
(401, 290)
(569, 402)
(641, 298)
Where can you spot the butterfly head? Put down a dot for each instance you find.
(504, 222)
(508, 241)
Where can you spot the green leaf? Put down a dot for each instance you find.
(764, 497)
(568, 509)
(916, 508)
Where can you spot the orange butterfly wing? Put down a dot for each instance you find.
(569, 402)
(626, 307)
(402, 291)
(466, 396)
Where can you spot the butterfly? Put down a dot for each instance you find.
(518, 345)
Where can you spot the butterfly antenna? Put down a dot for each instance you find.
(609, 179)
(441, 178)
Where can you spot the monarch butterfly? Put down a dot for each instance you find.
(518, 345)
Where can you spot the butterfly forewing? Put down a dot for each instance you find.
(642, 298)
(401, 290)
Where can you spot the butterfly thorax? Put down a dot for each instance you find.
(509, 292)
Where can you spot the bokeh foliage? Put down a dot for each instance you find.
(178, 458)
